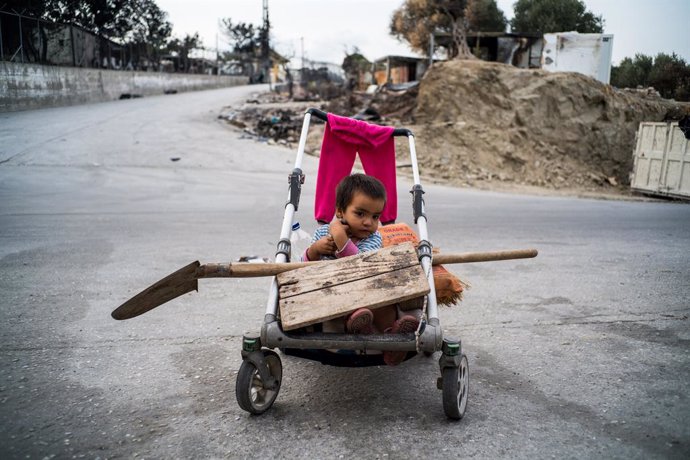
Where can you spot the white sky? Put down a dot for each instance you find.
(328, 28)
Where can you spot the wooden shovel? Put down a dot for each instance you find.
(186, 279)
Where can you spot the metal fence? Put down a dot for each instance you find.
(30, 40)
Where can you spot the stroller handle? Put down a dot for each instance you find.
(321, 115)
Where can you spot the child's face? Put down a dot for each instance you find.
(362, 215)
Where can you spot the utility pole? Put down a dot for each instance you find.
(265, 45)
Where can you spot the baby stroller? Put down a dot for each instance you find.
(259, 377)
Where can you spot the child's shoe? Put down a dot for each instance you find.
(407, 323)
(360, 322)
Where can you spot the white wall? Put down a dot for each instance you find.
(31, 86)
(588, 54)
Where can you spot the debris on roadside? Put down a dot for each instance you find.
(487, 125)
(267, 120)
(273, 118)
(253, 259)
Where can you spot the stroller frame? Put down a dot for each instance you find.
(258, 380)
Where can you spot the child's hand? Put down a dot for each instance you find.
(340, 231)
(322, 247)
(339, 228)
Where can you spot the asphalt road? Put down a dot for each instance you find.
(583, 352)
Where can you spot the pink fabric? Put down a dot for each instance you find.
(343, 139)
(350, 249)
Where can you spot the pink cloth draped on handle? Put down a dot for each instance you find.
(342, 140)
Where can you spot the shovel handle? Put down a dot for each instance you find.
(185, 279)
(249, 270)
(470, 257)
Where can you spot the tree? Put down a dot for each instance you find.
(668, 74)
(245, 41)
(416, 20)
(631, 73)
(33, 8)
(184, 47)
(244, 38)
(150, 29)
(149, 23)
(139, 24)
(354, 65)
(546, 16)
(113, 19)
(486, 16)
(108, 18)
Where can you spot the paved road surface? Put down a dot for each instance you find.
(582, 352)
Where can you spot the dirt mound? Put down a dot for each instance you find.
(490, 125)
(483, 121)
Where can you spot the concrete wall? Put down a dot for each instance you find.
(31, 86)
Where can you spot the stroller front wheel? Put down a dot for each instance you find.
(254, 394)
(456, 384)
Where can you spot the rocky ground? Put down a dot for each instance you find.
(490, 126)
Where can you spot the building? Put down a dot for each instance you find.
(588, 54)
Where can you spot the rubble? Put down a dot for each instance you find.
(268, 118)
(490, 125)
(558, 130)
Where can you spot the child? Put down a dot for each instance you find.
(360, 200)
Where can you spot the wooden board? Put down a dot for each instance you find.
(315, 294)
(320, 276)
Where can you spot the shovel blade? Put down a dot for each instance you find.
(174, 285)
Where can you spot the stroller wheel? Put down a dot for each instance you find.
(254, 394)
(456, 383)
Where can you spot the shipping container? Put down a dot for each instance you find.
(661, 161)
(588, 54)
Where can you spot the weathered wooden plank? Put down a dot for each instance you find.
(372, 292)
(346, 270)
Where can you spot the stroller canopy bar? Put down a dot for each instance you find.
(321, 115)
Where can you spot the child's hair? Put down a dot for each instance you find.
(368, 185)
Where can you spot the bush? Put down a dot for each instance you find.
(668, 74)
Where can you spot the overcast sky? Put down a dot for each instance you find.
(325, 29)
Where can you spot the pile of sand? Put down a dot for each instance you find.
(491, 125)
(480, 121)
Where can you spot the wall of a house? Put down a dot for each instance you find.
(32, 86)
(399, 74)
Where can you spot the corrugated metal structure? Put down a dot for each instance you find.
(661, 162)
